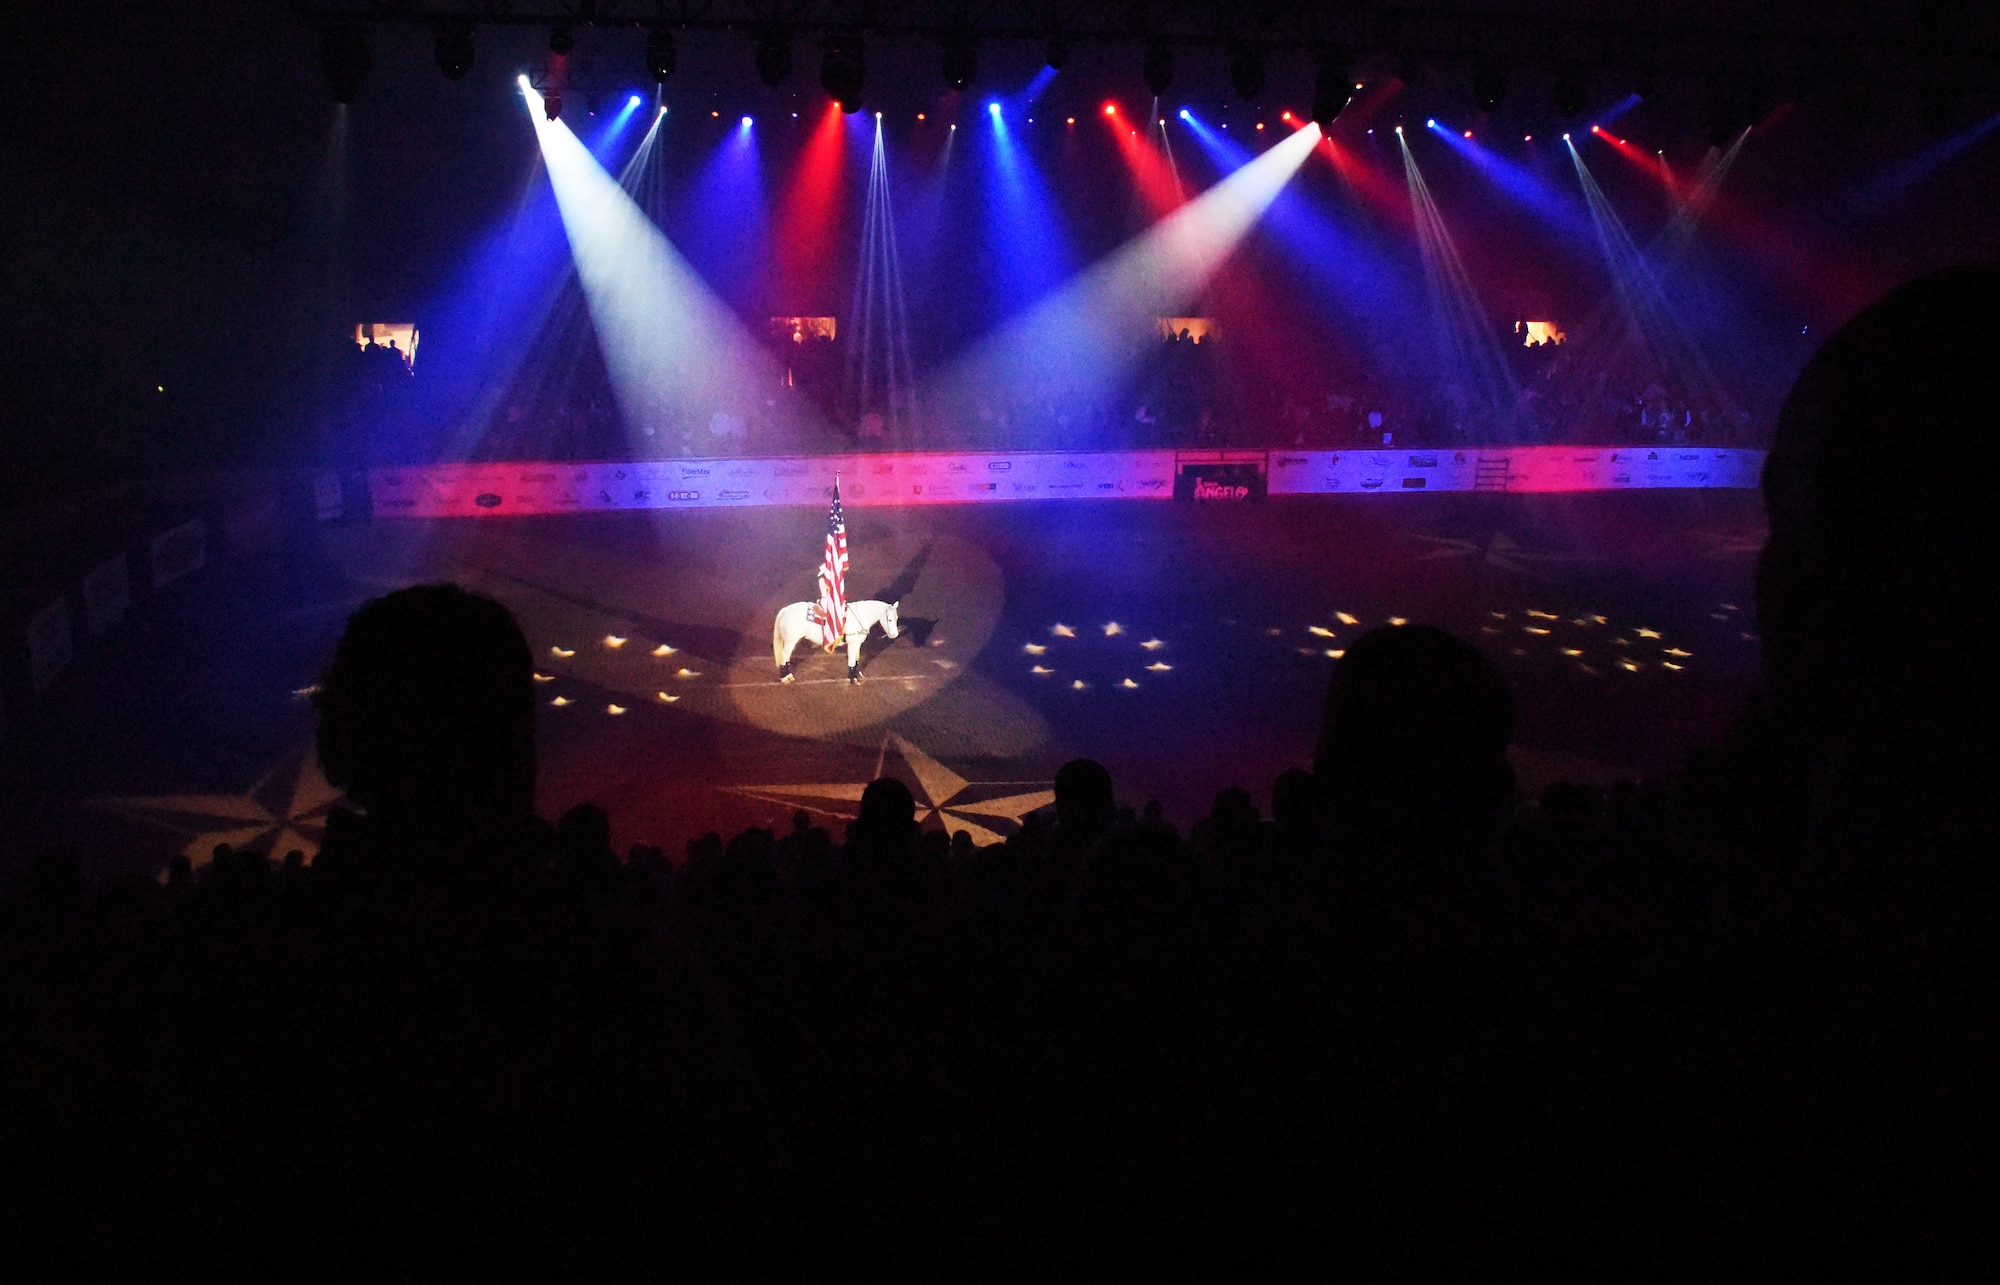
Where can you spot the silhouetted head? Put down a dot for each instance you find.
(1292, 799)
(1875, 591)
(426, 716)
(888, 811)
(1083, 796)
(1412, 756)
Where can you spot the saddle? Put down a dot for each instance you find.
(817, 619)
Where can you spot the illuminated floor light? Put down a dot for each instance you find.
(1113, 629)
(1159, 667)
(1488, 629)
(1336, 652)
(1572, 651)
(1622, 642)
(1542, 615)
(1647, 633)
(1531, 629)
(1041, 669)
(614, 710)
(545, 678)
(562, 653)
(1275, 633)
(1062, 631)
(1668, 664)
(1598, 620)
(560, 701)
(1128, 683)
(1497, 615)
(1631, 666)
(613, 641)
(663, 650)
(666, 698)
(1345, 619)
(1078, 685)
(1398, 621)
(1319, 631)
(1035, 649)
(687, 673)
(1152, 644)
(1675, 651)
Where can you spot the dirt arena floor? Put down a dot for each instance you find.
(1188, 648)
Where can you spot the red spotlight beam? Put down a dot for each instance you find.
(808, 211)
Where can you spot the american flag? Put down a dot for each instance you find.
(833, 576)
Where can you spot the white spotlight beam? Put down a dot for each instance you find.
(673, 349)
(1085, 336)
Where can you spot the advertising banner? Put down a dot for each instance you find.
(1219, 476)
(519, 489)
(50, 645)
(107, 596)
(499, 490)
(178, 551)
(1521, 469)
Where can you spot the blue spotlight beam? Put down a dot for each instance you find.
(1468, 352)
(673, 350)
(1517, 183)
(1084, 339)
(1330, 255)
(1022, 225)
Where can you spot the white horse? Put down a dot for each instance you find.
(794, 623)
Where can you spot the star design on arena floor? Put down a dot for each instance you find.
(1500, 551)
(285, 809)
(978, 807)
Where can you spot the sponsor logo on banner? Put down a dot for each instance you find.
(1423, 461)
(790, 470)
(1414, 483)
(1065, 486)
(1288, 461)
(883, 470)
(604, 497)
(179, 551)
(955, 468)
(1073, 464)
(732, 495)
(1204, 489)
(1621, 479)
(50, 645)
(999, 466)
(486, 500)
(984, 486)
(642, 496)
(683, 495)
(687, 471)
(740, 470)
(327, 501)
(1148, 483)
(917, 489)
(107, 593)
(1023, 487)
(1371, 483)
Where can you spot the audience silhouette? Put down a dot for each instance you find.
(1741, 1017)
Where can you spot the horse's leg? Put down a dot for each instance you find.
(781, 648)
(854, 642)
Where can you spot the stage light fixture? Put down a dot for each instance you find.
(662, 54)
(843, 70)
(774, 56)
(994, 108)
(1159, 68)
(1429, 124)
(1330, 88)
(1572, 88)
(343, 56)
(1056, 54)
(453, 48)
(1111, 109)
(561, 40)
(1246, 71)
(961, 60)
(1184, 114)
(633, 101)
(1489, 86)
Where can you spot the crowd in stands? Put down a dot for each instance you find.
(1186, 391)
(1397, 1020)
